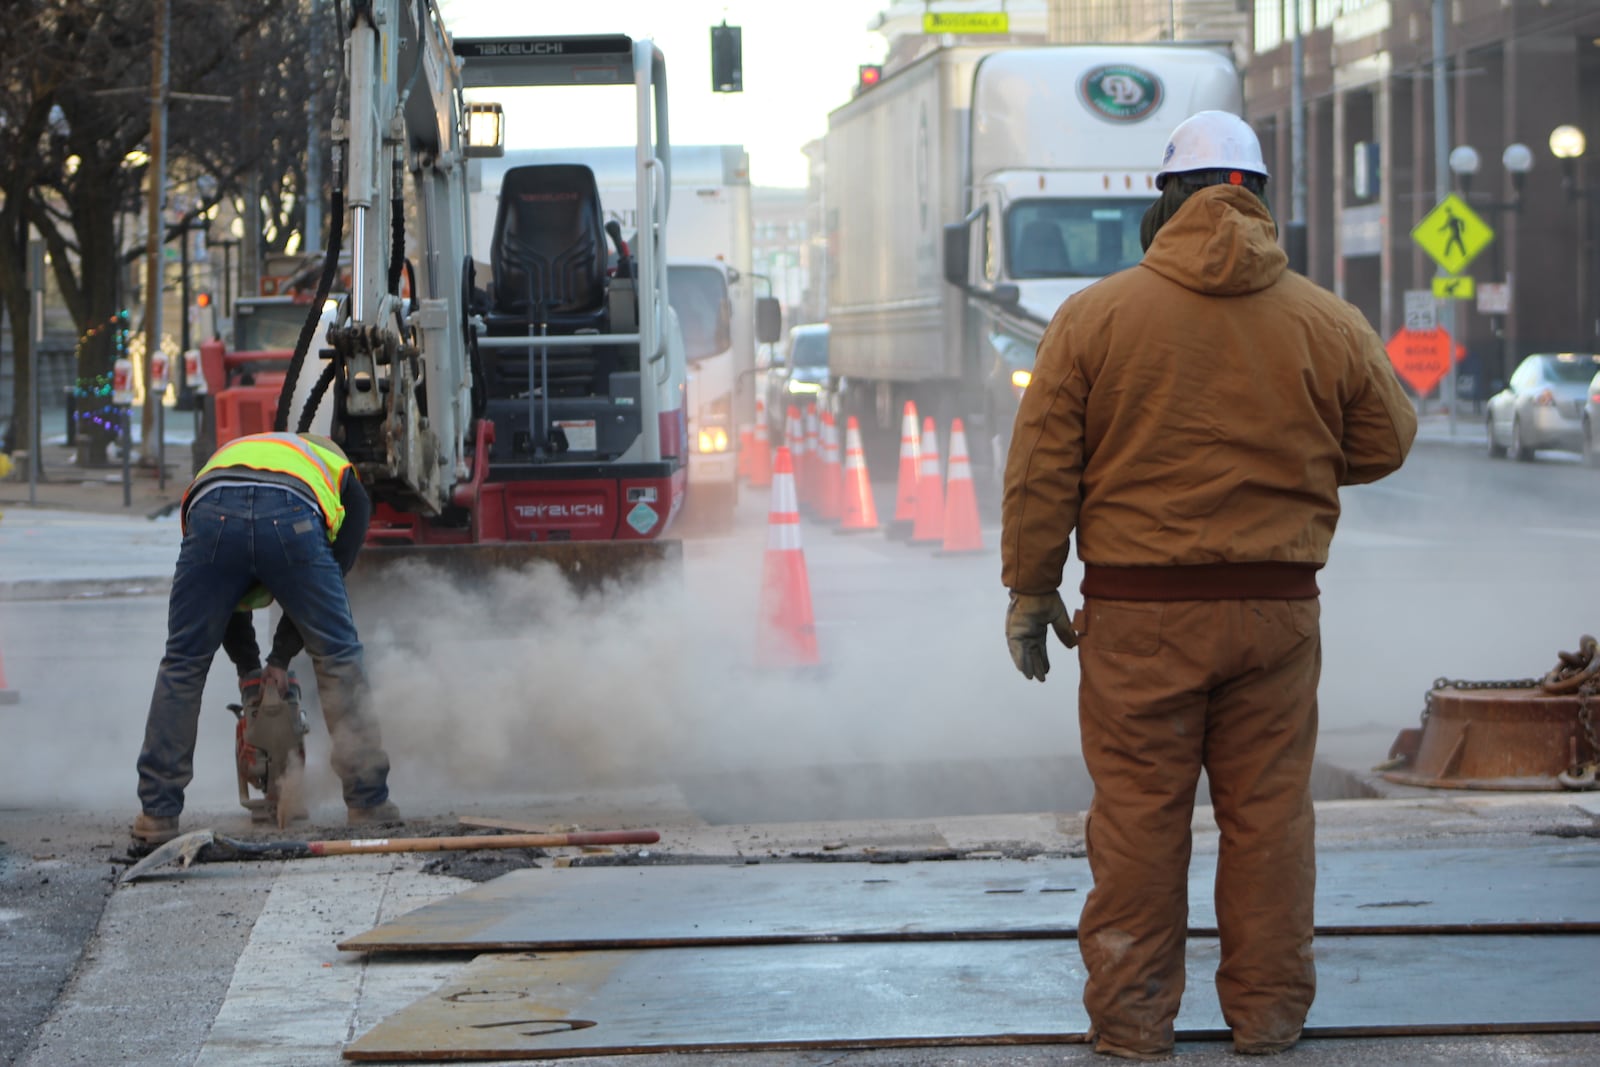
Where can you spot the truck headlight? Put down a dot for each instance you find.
(714, 439)
(796, 386)
(1021, 378)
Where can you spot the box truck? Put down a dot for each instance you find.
(966, 195)
(709, 286)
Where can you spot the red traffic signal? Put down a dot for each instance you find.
(202, 299)
(868, 75)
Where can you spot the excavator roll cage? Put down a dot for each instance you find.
(548, 404)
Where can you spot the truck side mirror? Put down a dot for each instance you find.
(957, 252)
(769, 320)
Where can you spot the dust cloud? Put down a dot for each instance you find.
(521, 685)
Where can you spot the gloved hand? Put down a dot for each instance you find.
(250, 687)
(1026, 620)
(278, 678)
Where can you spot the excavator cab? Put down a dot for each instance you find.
(581, 367)
(549, 262)
(546, 402)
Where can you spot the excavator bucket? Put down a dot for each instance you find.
(588, 566)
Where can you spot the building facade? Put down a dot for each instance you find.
(1514, 71)
(1094, 21)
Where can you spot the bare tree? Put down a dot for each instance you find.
(75, 111)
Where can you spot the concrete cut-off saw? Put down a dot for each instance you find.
(270, 750)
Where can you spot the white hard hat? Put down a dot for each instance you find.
(1212, 140)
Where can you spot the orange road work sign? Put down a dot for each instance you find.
(1420, 357)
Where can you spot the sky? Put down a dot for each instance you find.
(800, 62)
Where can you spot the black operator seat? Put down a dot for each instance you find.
(549, 248)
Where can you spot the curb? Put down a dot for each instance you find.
(82, 588)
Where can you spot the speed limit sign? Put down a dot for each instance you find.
(1421, 311)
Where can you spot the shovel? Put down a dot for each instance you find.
(210, 846)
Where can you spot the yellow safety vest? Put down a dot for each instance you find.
(319, 465)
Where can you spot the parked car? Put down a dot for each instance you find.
(1591, 424)
(1543, 406)
(799, 375)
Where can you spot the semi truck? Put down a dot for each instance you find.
(970, 192)
(709, 286)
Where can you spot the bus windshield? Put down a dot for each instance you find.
(699, 295)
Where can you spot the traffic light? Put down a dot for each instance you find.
(202, 299)
(727, 60)
(868, 75)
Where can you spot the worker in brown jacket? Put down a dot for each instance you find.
(1193, 418)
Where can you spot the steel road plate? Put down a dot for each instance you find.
(1511, 888)
(777, 997)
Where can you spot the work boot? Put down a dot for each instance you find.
(378, 813)
(1264, 1048)
(153, 830)
(1105, 1048)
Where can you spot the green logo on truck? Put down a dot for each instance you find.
(1121, 93)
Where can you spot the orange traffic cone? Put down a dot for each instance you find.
(7, 694)
(811, 462)
(830, 483)
(929, 528)
(858, 511)
(760, 450)
(905, 497)
(788, 635)
(794, 439)
(747, 439)
(961, 533)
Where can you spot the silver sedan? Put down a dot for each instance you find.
(1543, 406)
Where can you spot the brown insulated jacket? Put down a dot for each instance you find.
(1200, 408)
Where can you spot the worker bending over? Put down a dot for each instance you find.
(280, 512)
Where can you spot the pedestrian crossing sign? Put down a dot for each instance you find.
(1459, 287)
(1453, 234)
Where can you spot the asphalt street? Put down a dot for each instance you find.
(915, 739)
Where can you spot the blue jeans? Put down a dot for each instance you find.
(237, 536)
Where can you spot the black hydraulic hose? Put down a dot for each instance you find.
(324, 380)
(330, 267)
(480, 377)
(397, 241)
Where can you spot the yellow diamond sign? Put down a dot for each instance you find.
(1452, 233)
(1460, 287)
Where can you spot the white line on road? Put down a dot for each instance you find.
(295, 998)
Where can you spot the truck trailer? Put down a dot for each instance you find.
(969, 193)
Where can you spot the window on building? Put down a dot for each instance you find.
(1269, 25)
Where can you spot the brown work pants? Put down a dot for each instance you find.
(1166, 689)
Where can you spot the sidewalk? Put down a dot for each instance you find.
(65, 485)
(85, 533)
(1470, 430)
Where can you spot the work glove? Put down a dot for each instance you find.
(1026, 620)
(283, 680)
(250, 687)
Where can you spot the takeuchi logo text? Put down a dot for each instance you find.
(1121, 93)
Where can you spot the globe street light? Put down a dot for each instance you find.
(1517, 159)
(1568, 144)
(1464, 163)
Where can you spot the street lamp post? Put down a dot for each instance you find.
(1567, 143)
(1517, 160)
